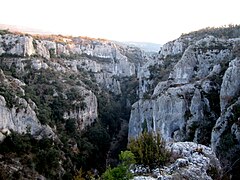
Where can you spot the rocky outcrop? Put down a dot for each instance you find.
(200, 59)
(225, 140)
(157, 69)
(87, 114)
(16, 45)
(199, 101)
(230, 87)
(22, 119)
(98, 63)
(106, 59)
(13, 167)
(189, 98)
(189, 160)
(175, 47)
(141, 118)
(54, 81)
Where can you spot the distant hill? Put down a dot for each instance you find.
(146, 46)
(225, 32)
(23, 29)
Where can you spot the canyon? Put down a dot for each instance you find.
(59, 87)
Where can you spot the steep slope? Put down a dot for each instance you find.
(199, 99)
(64, 98)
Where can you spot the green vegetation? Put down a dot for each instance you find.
(56, 92)
(122, 171)
(42, 154)
(9, 96)
(149, 150)
(129, 86)
(4, 31)
(160, 72)
(52, 53)
(230, 31)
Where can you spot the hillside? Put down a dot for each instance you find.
(69, 104)
(191, 93)
(63, 98)
(23, 29)
(146, 46)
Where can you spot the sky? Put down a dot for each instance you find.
(157, 21)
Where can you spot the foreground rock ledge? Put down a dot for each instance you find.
(189, 161)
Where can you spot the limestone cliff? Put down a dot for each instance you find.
(107, 60)
(55, 86)
(104, 60)
(192, 94)
(198, 100)
(62, 101)
(22, 119)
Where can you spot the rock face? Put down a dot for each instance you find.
(100, 63)
(226, 135)
(22, 119)
(174, 47)
(189, 91)
(16, 45)
(50, 87)
(191, 161)
(181, 103)
(230, 87)
(87, 115)
(198, 101)
(105, 59)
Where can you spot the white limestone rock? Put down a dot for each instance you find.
(41, 49)
(199, 60)
(174, 47)
(88, 114)
(38, 64)
(165, 113)
(190, 161)
(181, 103)
(2, 137)
(21, 118)
(19, 45)
(231, 84)
(144, 178)
(141, 115)
(227, 125)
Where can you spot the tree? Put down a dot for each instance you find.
(149, 150)
(122, 171)
(70, 126)
(127, 158)
(48, 162)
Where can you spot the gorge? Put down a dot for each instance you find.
(76, 101)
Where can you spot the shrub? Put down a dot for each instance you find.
(121, 171)
(4, 31)
(149, 150)
(127, 158)
(52, 53)
(48, 162)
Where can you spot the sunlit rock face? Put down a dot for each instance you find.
(95, 61)
(107, 60)
(193, 102)
(22, 119)
(18, 45)
(175, 47)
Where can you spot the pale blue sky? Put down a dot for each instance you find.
(124, 20)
